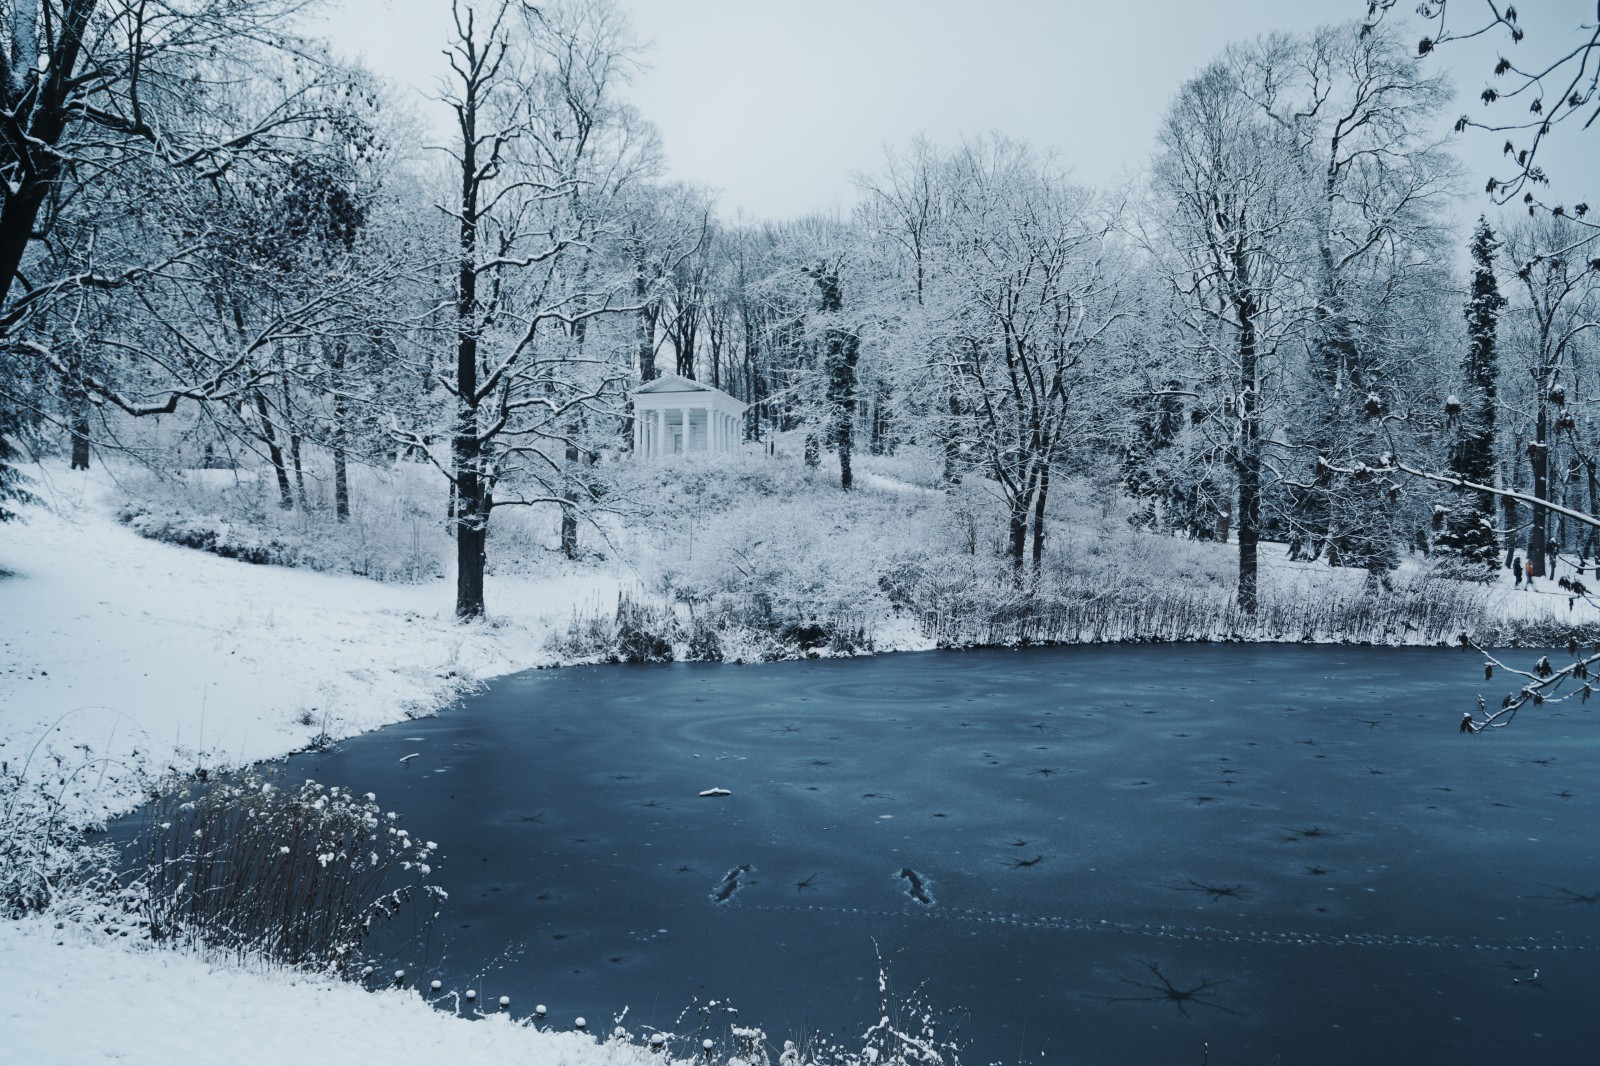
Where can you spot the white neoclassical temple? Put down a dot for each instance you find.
(675, 416)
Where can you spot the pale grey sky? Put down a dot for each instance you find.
(776, 102)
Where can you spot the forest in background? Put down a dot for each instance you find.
(223, 251)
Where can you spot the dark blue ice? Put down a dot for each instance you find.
(1104, 855)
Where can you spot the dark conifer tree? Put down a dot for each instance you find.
(1469, 533)
(11, 479)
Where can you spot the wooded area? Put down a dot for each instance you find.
(209, 222)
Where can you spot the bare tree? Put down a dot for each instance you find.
(527, 217)
(1233, 228)
(1356, 109)
(1012, 284)
(1555, 90)
(1559, 305)
(113, 107)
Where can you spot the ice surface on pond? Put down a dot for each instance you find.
(1105, 854)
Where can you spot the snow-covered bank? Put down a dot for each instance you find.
(67, 998)
(124, 656)
(155, 656)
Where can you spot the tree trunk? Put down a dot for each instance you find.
(848, 347)
(471, 503)
(274, 453)
(569, 513)
(341, 412)
(45, 120)
(1040, 496)
(1539, 464)
(646, 326)
(1017, 536)
(79, 409)
(952, 446)
(1248, 458)
(299, 470)
(294, 449)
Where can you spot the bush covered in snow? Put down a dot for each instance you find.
(752, 558)
(45, 854)
(395, 531)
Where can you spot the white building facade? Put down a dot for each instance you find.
(675, 416)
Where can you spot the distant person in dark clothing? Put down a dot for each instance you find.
(1516, 570)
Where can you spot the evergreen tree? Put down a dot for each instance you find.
(11, 479)
(1468, 532)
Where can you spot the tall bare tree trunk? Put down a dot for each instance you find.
(1039, 498)
(274, 453)
(294, 449)
(471, 510)
(78, 412)
(341, 412)
(1248, 458)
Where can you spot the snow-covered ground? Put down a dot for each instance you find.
(66, 997)
(128, 656)
(155, 656)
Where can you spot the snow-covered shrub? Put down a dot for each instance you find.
(44, 854)
(208, 533)
(396, 530)
(780, 576)
(299, 875)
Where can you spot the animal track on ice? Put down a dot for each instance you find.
(730, 883)
(916, 886)
(1197, 933)
(1216, 892)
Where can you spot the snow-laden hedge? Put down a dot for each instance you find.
(396, 529)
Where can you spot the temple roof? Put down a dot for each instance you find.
(675, 385)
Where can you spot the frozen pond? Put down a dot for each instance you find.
(1097, 855)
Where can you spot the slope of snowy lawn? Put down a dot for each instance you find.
(120, 654)
(156, 656)
(65, 998)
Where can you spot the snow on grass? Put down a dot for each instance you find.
(132, 656)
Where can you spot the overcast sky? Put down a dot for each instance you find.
(777, 102)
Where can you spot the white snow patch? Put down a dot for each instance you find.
(67, 997)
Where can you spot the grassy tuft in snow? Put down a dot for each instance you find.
(296, 875)
(961, 602)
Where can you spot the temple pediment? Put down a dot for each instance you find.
(672, 383)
